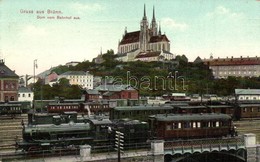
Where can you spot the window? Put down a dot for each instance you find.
(179, 125)
(174, 125)
(209, 124)
(198, 124)
(194, 125)
(29, 95)
(168, 127)
(23, 95)
(217, 123)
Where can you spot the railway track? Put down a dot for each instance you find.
(249, 126)
(10, 132)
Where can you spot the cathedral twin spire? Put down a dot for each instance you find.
(153, 25)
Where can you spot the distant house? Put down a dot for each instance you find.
(92, 95)
(117, 92)
(198, 60)
(247, 94)
(72, 63)
(154, 56)
(25, 94)
(99, 59)
(53, 76)
(81, 78)
(8, 83)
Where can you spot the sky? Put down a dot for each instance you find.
(194, 27)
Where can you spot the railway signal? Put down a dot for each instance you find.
(119, 143)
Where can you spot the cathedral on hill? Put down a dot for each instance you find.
(147, 44)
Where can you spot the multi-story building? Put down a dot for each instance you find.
(8, 83)
(237, 67)
(145, 42)
(81, 78)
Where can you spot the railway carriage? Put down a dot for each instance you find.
(248, 110)
(139, 112)
(63, 107)
(10, 109)
(183, 126)
(224, 109)
(191, 109)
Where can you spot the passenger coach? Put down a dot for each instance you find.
(182, 126)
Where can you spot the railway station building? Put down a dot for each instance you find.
(8, 83)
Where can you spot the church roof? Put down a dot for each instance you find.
(131, 37)
(5, 72)
(159, 38)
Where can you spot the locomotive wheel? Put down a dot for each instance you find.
(33, 150)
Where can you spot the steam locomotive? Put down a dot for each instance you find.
(100, 132)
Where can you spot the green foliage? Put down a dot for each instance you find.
(61, 89)
(150, 78)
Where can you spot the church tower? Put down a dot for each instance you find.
(144, 33)
(153, 25)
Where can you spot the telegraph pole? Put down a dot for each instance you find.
(34, 67)
(119, 144)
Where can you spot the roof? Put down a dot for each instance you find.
(233, 61)
(152, 54)
(249, 105)
(62, 103)
(190, 117)
(108, 93)
(159, 38)
(149, 54)
(143, 107)
(247, 91)
(114, 87)
(131, 37)
(100, 121)
(92, 92)
(191, 107)
(75, 73)
(24, 90)
(5, 72)
(220, 106)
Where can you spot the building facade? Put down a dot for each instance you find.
(25, 94)
(237, 67)
(247, 94)
(8, 83)
(81, 78)
(111, 91)
(146, 40)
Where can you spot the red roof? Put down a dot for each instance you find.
(233, 61)
(131, 37)
(159, 38)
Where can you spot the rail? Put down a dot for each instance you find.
(73, 151)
